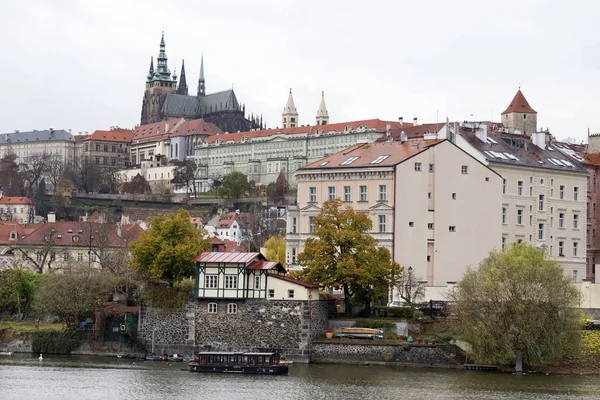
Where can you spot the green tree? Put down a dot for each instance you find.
(276, 249)
(279, 190)
(17, 288)
(184, 175)
(165, 251)
(518, 304)
(72, 297)
(342, 254)
(234, 185)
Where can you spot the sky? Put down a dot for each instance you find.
(82, 65)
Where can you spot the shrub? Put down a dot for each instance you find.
(57, 342)
(374, 323)
(169, 297)
(395, 312)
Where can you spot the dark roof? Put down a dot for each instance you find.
(36, 136)
(220, 101)
(415, 131)
(498, 150)
(181, 105)
(519, 104)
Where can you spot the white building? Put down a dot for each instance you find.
(57, 143)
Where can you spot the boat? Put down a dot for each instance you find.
(358, 333)
(238, 362)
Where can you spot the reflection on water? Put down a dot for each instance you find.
(70, 377)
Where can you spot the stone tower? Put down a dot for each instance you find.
(519, 117)
(159, 84)
(322, 114)
(289, 117)
(201, 81)
(182, 88)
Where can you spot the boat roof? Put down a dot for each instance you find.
(231, 353)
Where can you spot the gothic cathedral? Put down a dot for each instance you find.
(164, 99)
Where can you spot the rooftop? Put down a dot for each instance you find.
(116, 135)
(519, 104)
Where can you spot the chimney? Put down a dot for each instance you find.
(50, 130)
(481, 132)
(119, 229)
(387, 129)
(51, 217)
(539, 139)
(415, 121)
(402, 137)
(401, 119)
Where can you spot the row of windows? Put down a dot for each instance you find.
(464, 169)
(561, 218)
(561, 244)
(561, 190)
(65, 256)
(382, 194)
(113, 148)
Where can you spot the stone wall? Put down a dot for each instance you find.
(288, 327)
(396, 354)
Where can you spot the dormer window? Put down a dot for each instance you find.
(13, 236)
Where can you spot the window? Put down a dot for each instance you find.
(540, 231)
(382, 223)
(541, 202)
(311, 224)
(65, 256)
(561, 249)
(79, 256)
(257, 282)
(411, 224)
(575, 275)
(293, 255)
(530, 220)
(97, 147)
(231, 281)
(350, 160)
(503, 186)
(575, 249)
(430, 167)
(212, 308)
(231, 308)
(97, 160)
(576, 193)
(312, 194)
(210, 281)
(363, 193)
(294, 225)
(114, 148)
(331, 193)
(290, 293)
(452, 228)
(530, 191)
(464, 169)
(418, 166)
(271, 293)
(503, 215)
(38, 257)
(93, 257)
(430, 225)
(561, 192)
(382, 192)
(561, 220)
(520, 216)
(453, 196)
(503, 242)
(347, 193)
(575, 221)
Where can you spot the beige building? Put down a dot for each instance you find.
(429, 202)
(107, 149)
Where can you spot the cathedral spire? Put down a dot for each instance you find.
(322, 114)
(289, 117)
(201, 82)
(182, 89)
(161, 61)
(151, 70)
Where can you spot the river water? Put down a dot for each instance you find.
(73, 377)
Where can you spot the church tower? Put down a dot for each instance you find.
(289, 117)
(182, 88)
(201, 82)
(519, 117)
(322, 114)
(159, 83)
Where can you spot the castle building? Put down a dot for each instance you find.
(519, 117)
(164, 99)
(289, 117)
(322, 114)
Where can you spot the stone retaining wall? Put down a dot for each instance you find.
(288, 327)
(395, 354)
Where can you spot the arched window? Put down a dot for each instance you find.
(231, 308)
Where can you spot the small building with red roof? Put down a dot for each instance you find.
(519, 117)
(107, 149)
(16, 208)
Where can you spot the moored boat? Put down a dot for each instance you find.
(238, 362)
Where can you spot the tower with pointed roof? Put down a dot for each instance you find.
(322, 114)
(201, 81)
(289, 117)
(519, 117)
(159, 84)
(182, 88)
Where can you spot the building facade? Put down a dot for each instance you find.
(18, 209)
(164, 100)
(428, 200)
(56, 143)
(107, 149)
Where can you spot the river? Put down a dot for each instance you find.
(74, 377)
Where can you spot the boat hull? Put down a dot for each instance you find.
(238, 369)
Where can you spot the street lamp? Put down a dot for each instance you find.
(409, 286)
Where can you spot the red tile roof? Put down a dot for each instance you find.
(196, 127)
(376, 124)
(263, 265)
(15, 200)
(209, 257)
(296, 281)
(80, 138)
(519, 104)
(416, 131)
(6, 228)
(117, 135)
(76, 238)
(155, 131)
(396, 153)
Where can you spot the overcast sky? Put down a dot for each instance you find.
(82, 65)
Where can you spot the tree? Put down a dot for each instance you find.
(17, 288)
(61, 199)
(342, 254)
(518, 305)
(138, 185)
(31, 171)
(184, 175)
(276, 249)
(72, 297)
(234, 185)
(165, 251)
(409, 288)
(280, 189)
(9, 175)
